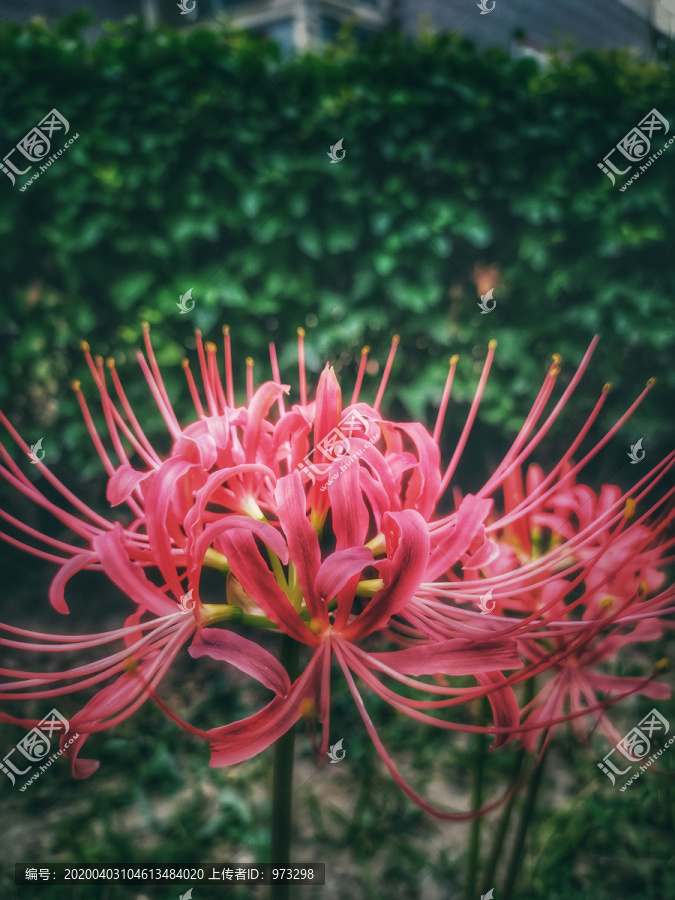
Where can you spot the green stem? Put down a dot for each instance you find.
(282, 781)
(505, 818)
(523, 825)
(481, 745)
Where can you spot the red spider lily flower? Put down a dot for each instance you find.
(614, 567)
(323, 521)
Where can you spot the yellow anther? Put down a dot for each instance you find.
(210, 347)
(110, 362)
(454, 359)
(606, 603)
(308, 708)
(301, 332)
(316, 626)
(75, 385)
(662, 665)
(492, 344)
(84, 346)
(629, 510)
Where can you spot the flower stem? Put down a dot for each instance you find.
(282, 781)
(481, 747)
(523, 825)
(502, 827)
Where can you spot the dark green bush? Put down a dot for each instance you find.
(201, 163)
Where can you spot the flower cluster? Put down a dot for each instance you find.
(345, 554)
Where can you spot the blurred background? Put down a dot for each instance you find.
(472, 137)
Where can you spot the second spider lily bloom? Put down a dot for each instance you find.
(598, 574)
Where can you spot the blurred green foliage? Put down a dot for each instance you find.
(202, 163)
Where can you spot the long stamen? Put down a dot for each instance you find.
(446, 396)
(157, 373)
(359, 377)
(142, 446)
(229, 383)
(214, 375)
(206, 381)
(459, 449)
(387, 370)
(166, 412)
(194, 393)
(29, 490)
(301, 366)
(249, 378)
(276, 376)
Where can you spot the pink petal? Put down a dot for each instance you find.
(424, 485)
(350, 514)
(302, 540)
(158, 505)
(261, 403)
(65, 573)
(123, 482)
(246, 655)
(339, 567)
(407, 540)
(328, 405)
(449, 543)
(504, 704)
(128, 575)
(453, 657)
(251, 570)
(246, 738)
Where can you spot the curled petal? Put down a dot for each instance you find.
(450, 542)
(245, 655)
(123, 482)
(128, 575)
(242, 740)
(407, 540)
(339, 567)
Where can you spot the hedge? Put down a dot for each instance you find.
(201, 163)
